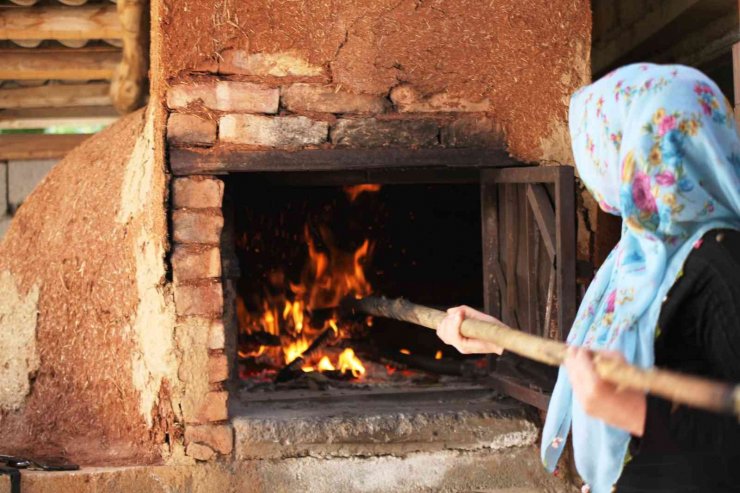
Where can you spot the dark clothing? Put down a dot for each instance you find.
(684, 449)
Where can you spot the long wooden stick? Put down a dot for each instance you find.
(684, 389)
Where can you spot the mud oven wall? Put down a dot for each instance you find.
(266, 85)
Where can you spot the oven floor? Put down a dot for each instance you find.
(347, 423)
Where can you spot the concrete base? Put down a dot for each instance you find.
(514, 471)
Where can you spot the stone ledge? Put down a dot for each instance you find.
(386, 424)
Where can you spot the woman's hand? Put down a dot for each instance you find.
(449, 331)
(623, 409)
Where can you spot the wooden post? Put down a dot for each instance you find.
(128, 88)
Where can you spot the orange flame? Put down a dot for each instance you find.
(325, 364)
(354, 191)
(295, 349)
(349, 362)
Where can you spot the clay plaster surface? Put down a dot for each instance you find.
(19, 358)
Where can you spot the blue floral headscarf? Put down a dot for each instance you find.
(656, 145)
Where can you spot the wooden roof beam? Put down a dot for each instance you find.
(64, 64)
(610, 49)
(713, 40)
(38, 146)
(49, 117)
(59, 22)
(56, 95)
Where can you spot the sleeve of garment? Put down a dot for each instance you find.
(714, 303)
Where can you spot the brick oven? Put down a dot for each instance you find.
(280, 177)
(294, 154)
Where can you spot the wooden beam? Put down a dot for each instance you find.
(625, 38)
(56, 95)
(48, 117)
(63, 64)
(129, 86)
(59, 22)
(228, 159)
(704, 45)
(38, 146)
(544, 215)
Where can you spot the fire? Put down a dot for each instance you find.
(355, 190)
(438, 355)
(330, 276)
(295, 312)
(295, 349)
(349, 362)
(325, 365)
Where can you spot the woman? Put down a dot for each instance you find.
(656, 145)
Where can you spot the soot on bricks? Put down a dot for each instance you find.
(302, 249)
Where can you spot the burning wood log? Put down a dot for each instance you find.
(259, 338)
(692, 391)
(289, 370)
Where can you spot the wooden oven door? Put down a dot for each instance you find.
(529, 266)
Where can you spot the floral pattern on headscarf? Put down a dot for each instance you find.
(656, 145)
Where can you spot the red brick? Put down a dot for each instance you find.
(189, 226)
(370, 132)
(219, 437)
(197, 192)
(323, 98)
(214, 407)
(278, 131)
(216, 335)
(218, 368)
(195, 262)
(225, 95)
(181, 95)
(202, 299)
(190, 129)
(408, 100)
(246, 97)
(199, 452)
(281, 64)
